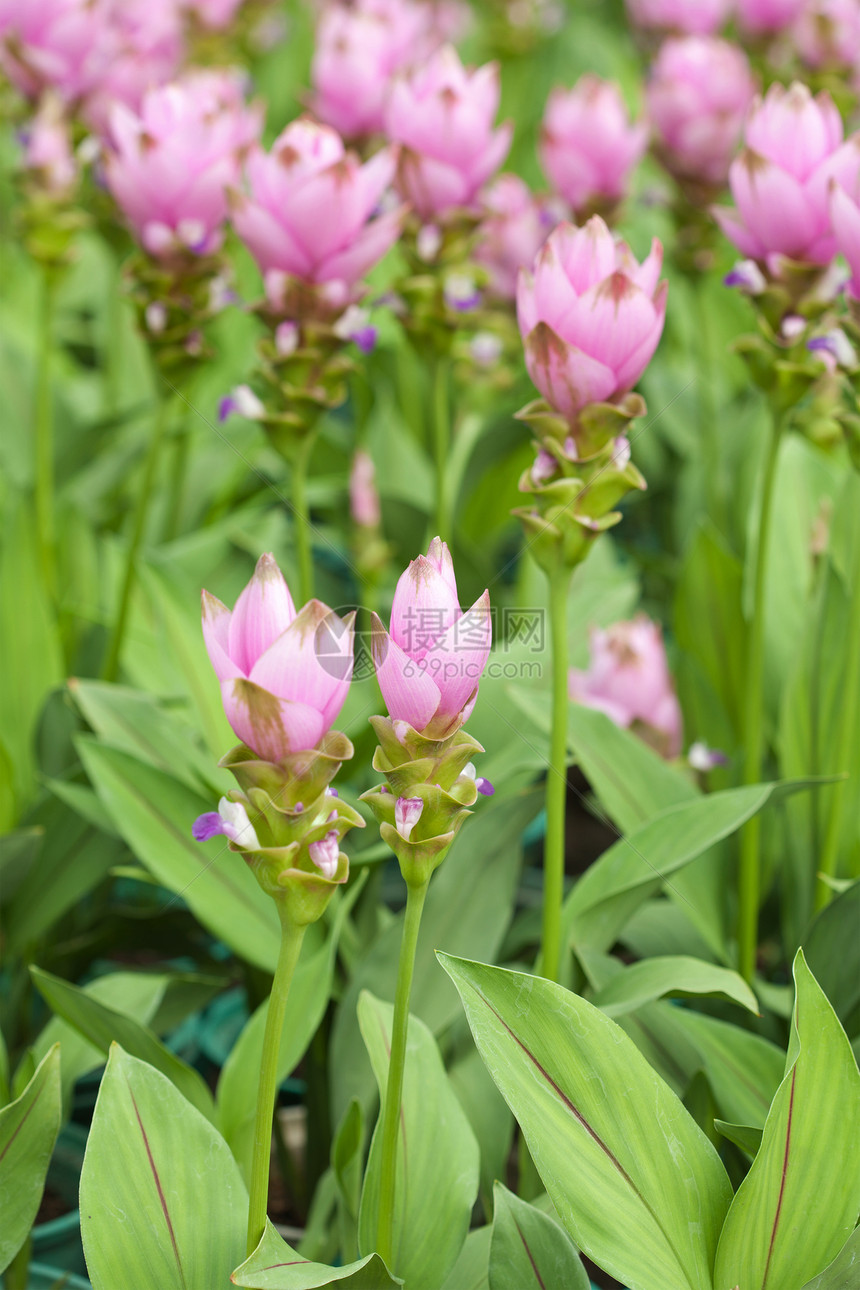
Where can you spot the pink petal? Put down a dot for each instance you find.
(773, 205)
(409, 693)
(216, 627)
(311, 662)
(425, 606)
(263, 611)
(372, 243)
(270, 726)
(845, 217)
(432, 186)
(611, 320)
(565, 376)
(733, 228)
(587, 254)
(456, 663)
(270, 243)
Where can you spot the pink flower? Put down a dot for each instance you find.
(590, 316)
(443, 116)
(629, 680)
(780, 181)
(363, 495)
(358, 50)
(284, 675)
(148, 48)
(516, 226)
(214, 14)
(760, 16)
(698, 95)
(588, 145)
(65, 45)
(689, 17)
(48, 148)
(827, 33)
(171, 165)
(310, 210)
(430, 665)
(845, 214)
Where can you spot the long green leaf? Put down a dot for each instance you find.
(103, 1026)
(844, 1272)
(274, 1265)
(832, 950)
(655, 978)
(154, 813)
(28, 1131)
(162, 1204)
(798, 1204)
(529, 1251)
(634, 1180)
(471, 1271)
(743, 1069)
(437, 1156)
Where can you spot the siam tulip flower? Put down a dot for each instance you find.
(761, 17)
(363, 496)
(688, 17)
(588, 145)
(590, 316)
(358, 50)
(284, 675)
(442, 113)
(781, 180)
(309, 212)
(170, 167)
(697, 96)
(827, 33)
(845, 216)
(64, 45)
(48, 149)
(430, 664)
(514, 229)
(628, 679)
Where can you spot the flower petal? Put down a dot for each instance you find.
(263, 612)
(271, 727)
(409, 693)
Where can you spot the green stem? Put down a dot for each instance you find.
(44, 437)
(394, 1088)
(442, 447)
(150, 470)
(291, 945)
(556, 780)
(847, 737)
(750, 860)
(299, 460)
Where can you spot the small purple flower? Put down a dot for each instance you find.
(484, 787)
(545, 466)
(331, 792)
(837, 345)
(461, 293)
(354, 325)
(747, 276)
(703, 758)
(230, 820)
(407, 813)
(243, 402)
(326, 853)
(286, 338)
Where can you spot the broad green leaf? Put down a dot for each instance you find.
(274, 1265)
(103, 1026)
(636, 867)
(471, 1271)
(844, 1272)
(832, 951)
(529, 1251)
(437, 1156)
(743, 1069)
(605, 1133)
(798, 1204)
(28, 1131)
(154, 813)
(742, 1135)
(162, 1204)
(655, 978)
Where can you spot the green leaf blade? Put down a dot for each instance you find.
(28, 1131)
(529, 1251)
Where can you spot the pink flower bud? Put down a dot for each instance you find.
(48, 149)
(170, 166)
(689, 17)
(430, 665)
(764, 16)
(698, 95)
(515, 228)
(845, 214)
(358, 50)
(781, 180)
(590, 316)
(326, 853)
(309, 213)
(629, 680)
(407, 813)
(363, 497)
(442, 114)
(284, 675)
(588, 145)
(827, 33)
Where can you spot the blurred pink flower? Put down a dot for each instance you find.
(48, 148)
(284, 675)
(359, 47)
(147, 49)
(590, 316)
(310, 210)
(698, 94)
(762, 16)
(827, 33)
(781, 180)
(515, 227)
(588, 145)
(845, 215)
(628, 679)
(65, 45)
(688, 17)
(363, 495)
(442, 113)
(214, 14)
(430, 665)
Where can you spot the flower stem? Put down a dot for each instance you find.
(828, 862)
(442, 447)
(150, 468)
(556, 780)
(291, 945)
(750, 859)
(299, 460)
(44, 437)
(394, 1088)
